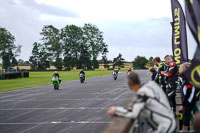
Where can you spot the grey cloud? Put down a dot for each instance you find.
(47, 9)
(150, 37)
(23, 21)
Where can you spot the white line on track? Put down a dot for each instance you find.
(10, 118)
(56, 122)
(38, 93)
(50, 84)
(60, 108)
(51, 100)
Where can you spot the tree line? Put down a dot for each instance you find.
(71, 46)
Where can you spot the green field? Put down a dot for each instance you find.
(44, 78)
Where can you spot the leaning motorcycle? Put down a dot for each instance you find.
(82, 78)
(56, 83)
(115, 75)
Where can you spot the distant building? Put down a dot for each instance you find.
(24, 68)
(110, 66)
(101, 66)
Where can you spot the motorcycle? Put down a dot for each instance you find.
(82, 78)
(56, 82)
(128, 72)
(114, 75)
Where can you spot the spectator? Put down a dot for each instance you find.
(196, 122)
(171, 81)
(159, 78)
(151, 102)
(188, 98)
(153, 71)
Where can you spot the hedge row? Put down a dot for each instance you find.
(14, 75)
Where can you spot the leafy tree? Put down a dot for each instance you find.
(51, 39)
(95, 40)
(23, 63)
(20, 62)
(84, 59)
(150, 62)
(8, 50)
(118, 61)
(45, 59)
(14, 61)
(34, 59)
(140, 61)
(75, 48)
(104, 58)
(40, 59)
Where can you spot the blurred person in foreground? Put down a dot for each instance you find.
(150, 103)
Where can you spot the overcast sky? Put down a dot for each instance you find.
(130, 27)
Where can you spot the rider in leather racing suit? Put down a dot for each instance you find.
(151, 103)
(171, 79)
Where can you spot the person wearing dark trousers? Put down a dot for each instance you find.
(196, 122)
(161, 67)
(151, 103)
(154, 73)
(171, 81)
(188, 97)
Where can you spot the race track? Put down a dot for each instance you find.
(75, 108)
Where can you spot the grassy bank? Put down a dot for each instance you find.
(44, 78)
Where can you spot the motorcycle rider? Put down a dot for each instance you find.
(115, 72)
(57, 75)
(171, 79)
(159, 78)
(82, 72)
(129, 70)
(150, 102)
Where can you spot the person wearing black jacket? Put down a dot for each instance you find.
(57, 75)
(154, 73)
(82, 72)
(159, 78)
(171, 81)
(188, 98)
(151, 103)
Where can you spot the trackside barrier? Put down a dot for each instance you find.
(14, 75)
(191, 131)
(120, 124)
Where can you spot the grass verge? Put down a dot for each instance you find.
(44, 78)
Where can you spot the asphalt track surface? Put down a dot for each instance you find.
(75, 108)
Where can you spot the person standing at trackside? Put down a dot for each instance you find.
(150, 103)
(188, 97)
(196, 122)
(171, 79)
(154, 73)
(159, 78)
